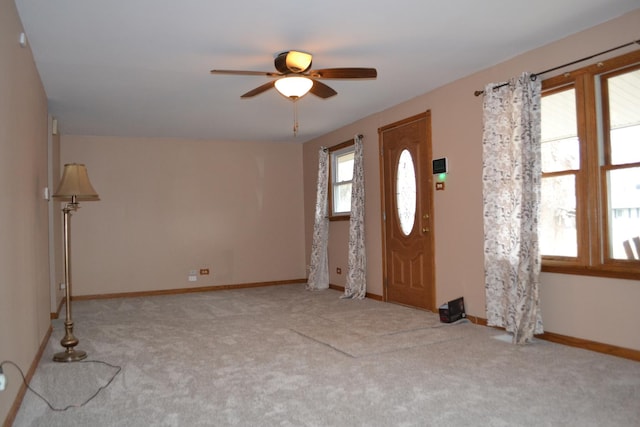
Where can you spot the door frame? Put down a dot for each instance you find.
(427, 187)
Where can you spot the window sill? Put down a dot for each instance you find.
(340, 217)
(613, 272)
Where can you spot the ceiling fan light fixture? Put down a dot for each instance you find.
(294, 87)
(298, 62)
(292, 62)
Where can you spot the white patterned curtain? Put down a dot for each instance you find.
(511, 191)
(319, 263)
(356, 286)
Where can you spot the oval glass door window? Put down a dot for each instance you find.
(406, 192)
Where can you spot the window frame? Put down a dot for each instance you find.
(341, 148)
(591, 212)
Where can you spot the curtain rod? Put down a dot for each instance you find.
(535, 75)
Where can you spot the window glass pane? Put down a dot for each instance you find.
(624, 211)
(560, 146)
(406, 192)
(344, 164)
(558, 235)
(624, 116)
(342, 161)
(342, 198)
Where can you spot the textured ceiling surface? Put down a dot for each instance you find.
(141, 67)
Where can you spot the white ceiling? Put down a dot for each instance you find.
(141, 67)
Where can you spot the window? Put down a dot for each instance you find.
(340, 179)
(590, 201)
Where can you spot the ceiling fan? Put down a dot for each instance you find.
(294, 78)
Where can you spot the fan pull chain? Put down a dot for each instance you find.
(295, 118)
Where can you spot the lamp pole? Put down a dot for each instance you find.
(69, 341)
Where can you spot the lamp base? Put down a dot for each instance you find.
(70, 355)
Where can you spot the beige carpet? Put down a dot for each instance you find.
(282, 356)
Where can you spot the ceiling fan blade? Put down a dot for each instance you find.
(257, 91)
(247, 73)
(344, 73)
(322, 90)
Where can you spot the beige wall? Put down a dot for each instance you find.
(168, 206)
(597, 309)
(24, 270)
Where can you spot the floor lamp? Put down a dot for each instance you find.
(74, 187)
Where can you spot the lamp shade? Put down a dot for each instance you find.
(75, 182)
(294, 87)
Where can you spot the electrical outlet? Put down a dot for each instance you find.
(61, 286)
(204, 271)
(339, 270)
(193, 278)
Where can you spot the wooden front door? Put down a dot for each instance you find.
(407, 220)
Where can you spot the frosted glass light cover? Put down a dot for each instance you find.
(294, 87)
